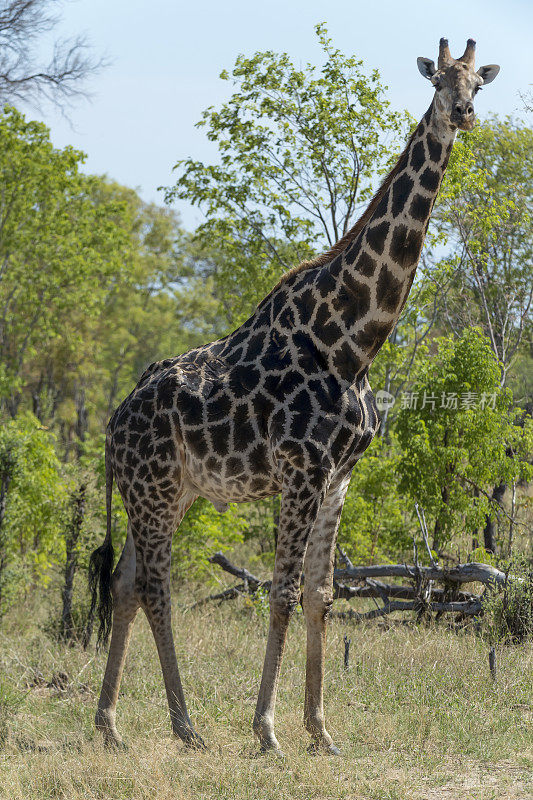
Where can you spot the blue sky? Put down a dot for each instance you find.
(166, 57)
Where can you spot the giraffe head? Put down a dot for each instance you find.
(456, 82)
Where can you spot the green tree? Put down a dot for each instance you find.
(94, 285)
(375, 523)
(484, 214)
(32, 497)
(455, 432)
(203, 532)
(59, 250)
(299, 151)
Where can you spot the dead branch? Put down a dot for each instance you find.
(228, 594)
(239, 572)
(343, 554)
(423, 527)
(250, 583)
(24, 72)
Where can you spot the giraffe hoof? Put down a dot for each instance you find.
(195, 742)
(327, 748)
(276, 752)
(114, 743)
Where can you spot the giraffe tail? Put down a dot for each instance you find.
(101, 570)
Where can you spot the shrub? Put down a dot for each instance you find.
(508, 616)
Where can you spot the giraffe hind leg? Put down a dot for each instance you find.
(125, 607)
(153, 586)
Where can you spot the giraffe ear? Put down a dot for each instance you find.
(488, 73)
(426, 67)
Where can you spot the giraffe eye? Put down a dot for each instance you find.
(477, 89)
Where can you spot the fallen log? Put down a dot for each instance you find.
(464, 603)
(370, 589)
(341, 591)
(467, 608)
(463, 573)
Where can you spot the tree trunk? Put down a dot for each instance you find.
(445, 495)
(489, 532)
(4, 486)
(82, 421)
(72, 552)
(511, 521)
(475, 532)
(438, 529)
(36, 397)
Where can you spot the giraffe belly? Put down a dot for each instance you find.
(221, 488)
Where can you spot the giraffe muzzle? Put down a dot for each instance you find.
(463, 116)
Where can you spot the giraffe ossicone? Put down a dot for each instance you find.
(282, 404)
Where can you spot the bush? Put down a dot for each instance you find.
(508, 616)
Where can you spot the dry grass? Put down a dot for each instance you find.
(417, 717)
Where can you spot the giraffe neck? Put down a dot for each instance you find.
(370, 280)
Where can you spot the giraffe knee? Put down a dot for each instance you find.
(283, 605)
(153, 589)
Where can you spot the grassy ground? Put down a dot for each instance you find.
(417, 716)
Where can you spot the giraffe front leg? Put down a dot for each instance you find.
(317, 601)
(297, 517)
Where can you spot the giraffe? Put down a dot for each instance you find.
(282, 404)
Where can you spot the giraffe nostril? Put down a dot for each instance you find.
(458, 109)
(469, 110)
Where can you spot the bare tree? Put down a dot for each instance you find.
(24, 74)
(527, 100)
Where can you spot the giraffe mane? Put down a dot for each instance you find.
(349, 236)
